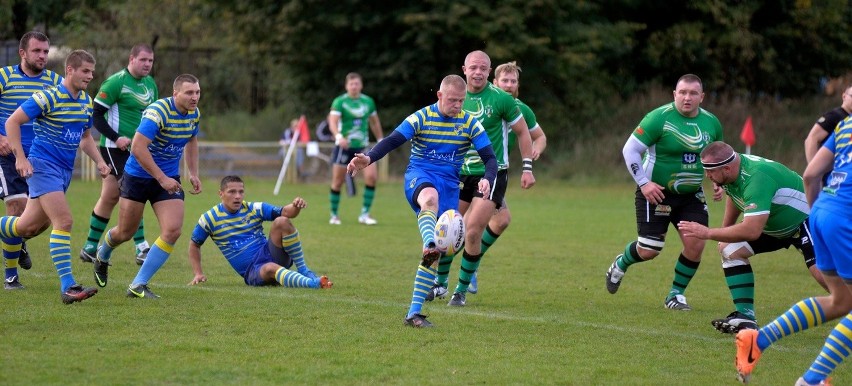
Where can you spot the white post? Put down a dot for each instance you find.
(293, 143)
(748, 149)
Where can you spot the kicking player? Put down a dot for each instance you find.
(440, 134)
(236, 227)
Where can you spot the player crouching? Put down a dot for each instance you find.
(236, 227)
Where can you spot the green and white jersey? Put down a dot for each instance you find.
(532, 123)
(126, 98)
(497, 110)
(674, 145)
(354, 118)
(768, 187)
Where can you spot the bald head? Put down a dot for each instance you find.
(716, 152)
(477, 67)
(451, 95)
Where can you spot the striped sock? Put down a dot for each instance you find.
(293, 247)
(423, 282)
(334, 199)
(469, 265)
(369, 194)
(157, 256)
(444, 265)
(11, 252)
(740, 279)
(292, 279)
(426, 220)
(489, 237)
(60, 253)
(97, 226)
(683, 273)
(107, 247)
(835, 350)
(630, 257)
(801, 316)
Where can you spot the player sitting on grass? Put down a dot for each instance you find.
(236, 226)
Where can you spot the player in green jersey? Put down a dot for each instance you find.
(350, 114)
(669, 184)
(118, 110)
(506, 78)
(499, 114)
(775, 211)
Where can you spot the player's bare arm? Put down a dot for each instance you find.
(13, 133)
(195, 262)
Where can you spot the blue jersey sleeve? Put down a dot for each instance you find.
(32, 108)
(148, 128)
(199, 235)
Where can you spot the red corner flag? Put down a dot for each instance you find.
(747, 135)
(304, 135)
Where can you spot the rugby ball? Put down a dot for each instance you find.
(449, 232)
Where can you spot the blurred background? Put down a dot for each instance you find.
(591, 69)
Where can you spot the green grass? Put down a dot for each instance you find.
(542, 316)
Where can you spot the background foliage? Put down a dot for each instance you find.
(583, 61)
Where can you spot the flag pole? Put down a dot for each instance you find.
(293, 144)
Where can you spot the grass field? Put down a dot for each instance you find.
(542, 315)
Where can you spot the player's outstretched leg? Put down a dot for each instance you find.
(423, 282)
(11, 253)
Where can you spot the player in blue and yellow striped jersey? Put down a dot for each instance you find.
(17, 84)
(169, 128)
(440, 135)
(236, 227)
(62, 120)
(831, 233)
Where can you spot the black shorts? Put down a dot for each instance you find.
(654, 220)
(341, 156)
(801, 240)
(470, 188)
(146, 189)
(12, 185)
(115, 158)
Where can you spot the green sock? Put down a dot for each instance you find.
(444, 268)
(683, 273)
(630, 257)
(97, 226)
(139, 237)
(334, 199)
(489, 237)
(369, 194)
(469, 265)
(740, 280)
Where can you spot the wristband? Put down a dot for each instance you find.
(527, 165)
(337, 138)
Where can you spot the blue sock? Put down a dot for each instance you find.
(11, 252)
(60, 252)
(106, 248)
(423, 281)
(801, 316)
(426, 220)
(835, 350)
(157, 256)
(288, 278)
(293, 247)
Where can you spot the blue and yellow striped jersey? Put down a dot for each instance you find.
(59, 121)
(837, 192)
(238, 235)
(15, 88)
(438, 142)
(169, 131)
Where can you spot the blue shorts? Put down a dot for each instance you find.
(448, 189)
(263, 256)
(142, 190)
(12, 185)
(48, 177)
(832, 242)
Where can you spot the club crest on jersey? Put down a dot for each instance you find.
(663, 210)
(459, 130)
(489, 110)
(690, 158)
